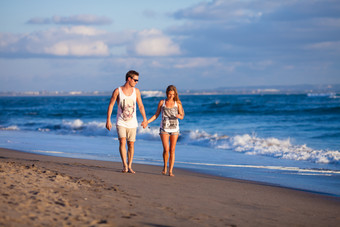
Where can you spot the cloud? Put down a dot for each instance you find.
(154, 43)
(228, 11)
(39, 20)
(149, 13)
(75, 48)
(196, 63)
(257, 29)
(262, 65)
(235, 11)
(328, 22)
(76, 41)
(82, 30)
(334, 46)
(85, 41)
(84, 19)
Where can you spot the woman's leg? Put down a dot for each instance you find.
(173, 141)
(165, 142)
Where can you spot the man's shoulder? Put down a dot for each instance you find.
(115, 91)
(137, 91)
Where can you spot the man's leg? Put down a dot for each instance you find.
(131, 151)
(131, 138)
(122, 151)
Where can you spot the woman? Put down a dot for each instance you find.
(171, 109)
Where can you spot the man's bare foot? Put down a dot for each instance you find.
(124, 170)
(164, 172)
(131, 171)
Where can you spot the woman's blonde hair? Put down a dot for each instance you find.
(173, 88)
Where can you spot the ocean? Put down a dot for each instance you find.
(285, 140)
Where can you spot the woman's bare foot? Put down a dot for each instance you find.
(131, 171)
(171, 174)
(164, 172)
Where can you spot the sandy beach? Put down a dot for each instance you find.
(37, 190)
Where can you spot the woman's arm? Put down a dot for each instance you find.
(158, 111)
(180, 114)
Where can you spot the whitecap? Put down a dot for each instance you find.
(10, 128)
(148, 133)
(76, 124)
(48, 152)
(273, 147)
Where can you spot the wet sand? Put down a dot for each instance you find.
(38, 190)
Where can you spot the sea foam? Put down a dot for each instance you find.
(10, 128)
(254, 145)
(249, 144)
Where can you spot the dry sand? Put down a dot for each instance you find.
(37, 190)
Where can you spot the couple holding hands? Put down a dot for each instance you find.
(171, 109)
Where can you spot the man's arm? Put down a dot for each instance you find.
(114, 97)
(141, 108)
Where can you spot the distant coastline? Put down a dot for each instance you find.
(253, 90)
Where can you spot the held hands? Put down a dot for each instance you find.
(144, 124)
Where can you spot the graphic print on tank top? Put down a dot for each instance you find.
(169, 118)
(128, 107)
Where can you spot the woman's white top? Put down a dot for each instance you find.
(170, 121)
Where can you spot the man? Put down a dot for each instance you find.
(127, 96)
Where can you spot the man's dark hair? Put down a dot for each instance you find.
(131, 73)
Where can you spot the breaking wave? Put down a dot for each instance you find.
(246, 143)
(273, 147)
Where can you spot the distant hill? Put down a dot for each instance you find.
(278, 89)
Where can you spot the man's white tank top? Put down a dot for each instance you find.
(169, 121)
(126, 113)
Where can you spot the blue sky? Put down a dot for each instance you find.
(90, 45)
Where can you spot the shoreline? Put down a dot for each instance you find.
(198, 171)
(335, 196)
(70, 191)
